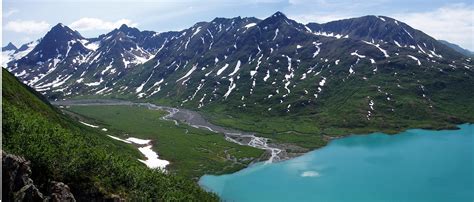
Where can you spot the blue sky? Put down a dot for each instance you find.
(27, 20)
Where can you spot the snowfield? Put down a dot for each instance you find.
(152, 159)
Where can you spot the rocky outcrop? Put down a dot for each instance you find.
(17, 184)
(60, 192)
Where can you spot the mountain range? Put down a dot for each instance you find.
(371, 72)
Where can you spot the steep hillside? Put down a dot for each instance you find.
(94, 167)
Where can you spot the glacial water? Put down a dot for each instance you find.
(416, 165)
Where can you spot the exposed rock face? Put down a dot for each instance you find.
(60, 192)
(18, 186)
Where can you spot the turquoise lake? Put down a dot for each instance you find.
(416, 165)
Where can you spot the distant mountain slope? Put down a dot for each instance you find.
(457, 48)
(381, 29)
(354, 75)
(12, 54)
(94, 167)
(9, 47)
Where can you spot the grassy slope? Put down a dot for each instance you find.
(343, 107)
(87, 161)
(192, 152)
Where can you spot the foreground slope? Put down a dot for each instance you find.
(95, 168)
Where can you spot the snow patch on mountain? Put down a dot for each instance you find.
(219, 72)
(231, 87)
(188, 73)
(416, 59)
(357, 54)
(250, 25)
(236, 69)
(378, 47)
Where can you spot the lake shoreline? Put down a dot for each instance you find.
(376, 154)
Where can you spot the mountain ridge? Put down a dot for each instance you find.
(458, 48)
(374, 68)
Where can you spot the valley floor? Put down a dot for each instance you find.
(191, 151)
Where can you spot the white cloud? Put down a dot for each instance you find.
(87, 24)
(319, 18)
(454, 23)
(337, 6)
(10, 12)
(317, 2)
(267, 1)
(27, 26)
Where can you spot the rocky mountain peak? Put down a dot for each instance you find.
(9, 47)
(278, 14)
(124, 27)
(61, 31)
(275, 18)
(128, 30)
